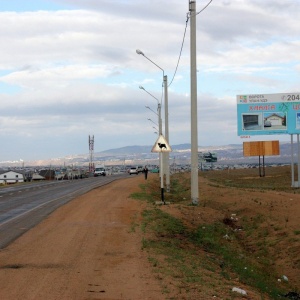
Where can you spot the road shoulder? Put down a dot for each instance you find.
(87, 249)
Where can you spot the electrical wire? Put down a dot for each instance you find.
(186, 23)
(204, 7)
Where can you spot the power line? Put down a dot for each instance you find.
(204, 7)
(186, 23)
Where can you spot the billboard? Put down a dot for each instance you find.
(261, 148)
(265, 114)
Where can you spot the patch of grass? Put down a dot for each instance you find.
(176, 246)
(134, 224)
(190, 255)
(168, 245)
(180, 188)
(154, 262)
(162, 223)
(143, 195)
(278, 179)
(235, 259)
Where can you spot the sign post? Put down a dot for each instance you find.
(259, 149)
(161, 145)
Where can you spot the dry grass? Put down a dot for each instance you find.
(276, 178)
(244, 233)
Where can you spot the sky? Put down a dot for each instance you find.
(69, 70)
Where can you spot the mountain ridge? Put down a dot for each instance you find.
(147, 148)
(226, 154)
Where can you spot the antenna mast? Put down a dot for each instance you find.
(91, 148)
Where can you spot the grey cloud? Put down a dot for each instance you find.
(77, 72)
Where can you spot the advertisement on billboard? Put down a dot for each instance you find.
(261, 148)
(265, 114)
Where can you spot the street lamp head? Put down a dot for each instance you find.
(138, 51)
(142, 88)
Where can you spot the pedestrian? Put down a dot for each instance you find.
(146, 172)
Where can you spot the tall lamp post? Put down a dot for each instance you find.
(159, 126)
(153, 122)
(161, 163)
(158, 109)
(165, 84)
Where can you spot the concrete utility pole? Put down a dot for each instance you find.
(194, 114)
(166, 160)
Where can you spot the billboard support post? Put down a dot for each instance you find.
(292, 161)
(261, 167)
(261, 148)
(298, 156)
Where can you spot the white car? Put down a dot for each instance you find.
(133, 170)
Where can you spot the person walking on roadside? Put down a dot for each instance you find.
(146, 172)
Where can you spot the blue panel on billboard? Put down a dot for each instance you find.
(268, 114)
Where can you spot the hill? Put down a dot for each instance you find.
(227, 154)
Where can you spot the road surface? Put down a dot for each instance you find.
(23, 206)
(86, 249)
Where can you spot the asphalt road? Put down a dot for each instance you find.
(24, 206)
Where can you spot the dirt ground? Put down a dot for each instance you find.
(84, 250)
(276, 214)
(88, 249)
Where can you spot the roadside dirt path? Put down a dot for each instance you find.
(91, 247)
(87, 249)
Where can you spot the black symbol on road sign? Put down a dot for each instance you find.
(161, 146)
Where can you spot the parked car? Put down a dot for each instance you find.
(140, 169)
(133, 170)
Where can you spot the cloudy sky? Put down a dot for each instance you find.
(69, 69)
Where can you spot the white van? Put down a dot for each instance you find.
(99, 171)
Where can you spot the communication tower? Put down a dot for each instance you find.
(91, 147)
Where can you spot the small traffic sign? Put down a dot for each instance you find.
(161, 145)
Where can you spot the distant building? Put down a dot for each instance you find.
(48, 174)
(37, 177)
(11, 177)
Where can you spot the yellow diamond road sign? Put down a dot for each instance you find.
(161, 145)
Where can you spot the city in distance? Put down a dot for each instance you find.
(141, 155)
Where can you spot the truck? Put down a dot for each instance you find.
(99, 171)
